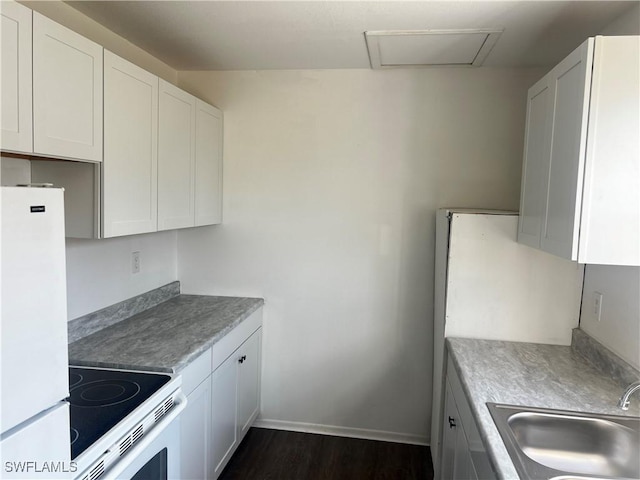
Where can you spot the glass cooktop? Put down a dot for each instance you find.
(99, 399)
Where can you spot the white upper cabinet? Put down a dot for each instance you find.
(67, 92)
(570, 83)
(536, 163)
(610, 218)
(176, 157)
(581, 175)
(208, 180)
(15, 55)
(189, 160)
(148, 154)
(130, 167)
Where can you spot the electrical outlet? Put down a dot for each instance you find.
(135, 262)
(597, 305)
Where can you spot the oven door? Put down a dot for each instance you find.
(154, 457)
(159, 460)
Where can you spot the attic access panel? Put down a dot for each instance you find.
(420, 48)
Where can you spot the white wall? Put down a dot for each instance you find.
(99, 271)
(619, 327)
(331, 182)
(626, 24)
(14, 171)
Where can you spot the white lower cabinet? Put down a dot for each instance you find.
(449, 433)
(195, 424)
(456, 459)
(223, 392)
(235, 400)
(249, 382)
(224, 408)
(463, 453)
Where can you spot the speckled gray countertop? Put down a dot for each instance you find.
(535, 375)
(164, 338)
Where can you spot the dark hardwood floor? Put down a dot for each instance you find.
(281, 455)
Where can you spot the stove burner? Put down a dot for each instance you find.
(74, 379)
(74, 435)
(103, 393)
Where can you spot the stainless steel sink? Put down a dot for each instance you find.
(556, 444)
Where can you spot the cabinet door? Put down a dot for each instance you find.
(450, 424)
(610, 224)
(223, 413)
(195, 433)
(536, 164)
(129, 193)
(571, 85)
(462, 466)
(67, 92)
(457, 456)
(15, 55)
(208, 179)
(249, 382)
(176, 157)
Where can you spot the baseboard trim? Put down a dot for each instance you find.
(342, 431)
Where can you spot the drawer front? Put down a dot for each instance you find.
(196, 372)
(236, 337)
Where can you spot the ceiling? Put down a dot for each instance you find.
(265, 35)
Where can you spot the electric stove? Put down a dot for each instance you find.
(111, 410)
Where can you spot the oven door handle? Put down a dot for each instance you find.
(117, 469)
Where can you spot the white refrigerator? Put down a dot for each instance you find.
(489, 286)
(34, 417)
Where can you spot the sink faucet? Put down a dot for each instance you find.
(623, 403)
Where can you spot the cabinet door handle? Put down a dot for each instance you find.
(242, 358)
(452, 422)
